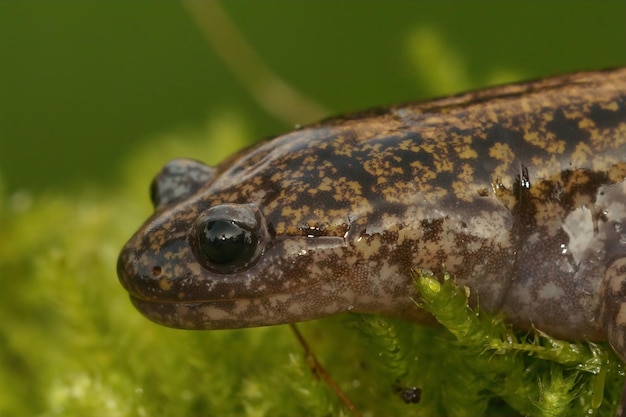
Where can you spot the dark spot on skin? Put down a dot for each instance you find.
(445, 178)
(564, 127)
(608, 118)
(432, 229)
(514, 139)
(497, 133)
(271, 188)
(271, 230)
(571, 184)
(156, 271)
(590, 187)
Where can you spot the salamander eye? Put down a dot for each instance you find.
(229, 237)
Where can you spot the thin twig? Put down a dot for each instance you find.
(269, 90)
(321, 372)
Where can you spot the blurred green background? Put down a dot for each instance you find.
(83, 84)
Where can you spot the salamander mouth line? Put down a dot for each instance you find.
(290, 292)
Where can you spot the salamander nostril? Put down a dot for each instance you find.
(156, 271)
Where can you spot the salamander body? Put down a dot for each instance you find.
(518, 191)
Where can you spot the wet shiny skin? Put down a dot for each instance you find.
(518, 191)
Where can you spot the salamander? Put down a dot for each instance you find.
(518, 191)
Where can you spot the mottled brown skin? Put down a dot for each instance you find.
(518, 191)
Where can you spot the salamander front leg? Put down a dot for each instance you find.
(613, 315)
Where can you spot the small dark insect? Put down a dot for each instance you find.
(410, 395)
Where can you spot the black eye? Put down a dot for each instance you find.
(225, 242)
(228, 238)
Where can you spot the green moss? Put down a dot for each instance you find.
(534, 373)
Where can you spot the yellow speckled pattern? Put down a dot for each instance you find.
(518, 191)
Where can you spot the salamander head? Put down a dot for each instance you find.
(280, 232)
(205, 260)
